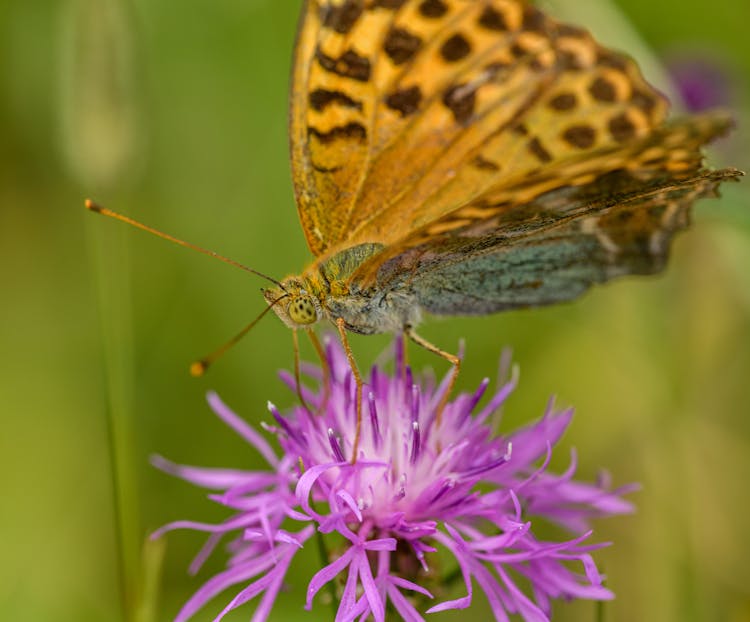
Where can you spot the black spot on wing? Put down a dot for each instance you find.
(326, 169)
(432, 8)
(348, 65)
(563, 101)
(603, 90)
(405, 101)
(320, 99)
(644, 101)
(607, 58)
(570, 61)
(460, 100)
(401, 45)
(343, 17)
(622, 128)
(350, 131)
(455, 48)
(535, 146)
(518, 50)
(533, 19)
(483, 164)
(492, 19)
(580, 136)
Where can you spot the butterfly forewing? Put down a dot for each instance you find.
(332, 107)
(404, 110)
(533, 94)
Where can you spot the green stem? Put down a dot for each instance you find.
(117, 354)
(149, 586)
(600, 611)
(323, 552)
(452, 577)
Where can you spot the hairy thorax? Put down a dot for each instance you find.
(326, 291)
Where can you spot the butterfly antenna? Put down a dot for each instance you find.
(93, 207)
(198, 368)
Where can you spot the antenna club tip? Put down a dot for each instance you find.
(91, 206)
(198, 368)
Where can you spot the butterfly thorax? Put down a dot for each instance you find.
(326, 291)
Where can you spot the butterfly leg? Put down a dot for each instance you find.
(405, 360)
(324, 365)
(297, 378)
(357, 379)
(451, 358)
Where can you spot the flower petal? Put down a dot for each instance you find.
(326, 574)
(375, 600)
(307, 481)
(530, 443)
(244, 429)
(459, 603)
(405, 609)
(213, 479)
(348, 609)
(221, 581)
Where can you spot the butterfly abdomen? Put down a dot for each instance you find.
(369, 313)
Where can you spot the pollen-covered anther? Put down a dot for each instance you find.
(415, 442)
(338, 454)
(374, 422)
(401, 491)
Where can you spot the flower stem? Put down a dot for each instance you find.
(115, 326)
(323, 552)
(100, 134)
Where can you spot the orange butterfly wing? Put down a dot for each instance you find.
(404, 110)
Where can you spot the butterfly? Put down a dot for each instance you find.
(472, 156)
(464, 157)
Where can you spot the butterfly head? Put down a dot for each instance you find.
(294, 304)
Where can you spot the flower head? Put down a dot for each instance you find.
(703, 81)
(419, 484)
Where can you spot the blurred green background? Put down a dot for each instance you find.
(175, 113)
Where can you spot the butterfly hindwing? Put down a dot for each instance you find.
(614, 227)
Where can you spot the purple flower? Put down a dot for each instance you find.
(702, 80)
(416, 487)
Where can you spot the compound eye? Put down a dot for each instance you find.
(302, 311)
